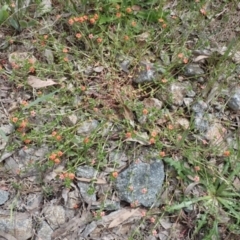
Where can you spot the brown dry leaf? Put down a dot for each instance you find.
(97, 181)
(123, 215)
(38, 83)
(143, 37)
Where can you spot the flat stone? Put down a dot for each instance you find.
(192, 70)
(44, 232)
(55, 215)
(87, 127)
(3, 196)
(234, 100)
(18, 225)
(153, 103)
(141, 183)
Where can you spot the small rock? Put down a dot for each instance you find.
(44, 232)
(192, 70)
(70, 120)
(234, 101)
(3, 196)
(124, 65)
(7, 129)
(87, 127)
(215, 133)
(187, 101)
(152, 103)
(55, 215)
(86, 172)
(146, 75)
(200, 123)
(141, 183)
(18, 225)
(182, 123)
(199, 107)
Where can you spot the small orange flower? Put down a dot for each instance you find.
(70, 21)
(65, 50)
(61, 176)
(226, 153)
(57, 160)
(162, 154)
(83, 88)
(14, 119)
(24, 103)
(144, 190)
(96, 17)
(58, 137)
(134, 24)
(118, 14)
(128, 135)
(54, 133)
(85, 17)
(143, 212)
(126, 38)
(128, 10)
(180, 55)
(90, 36)
(65, 59)
(78, 35)
(196, 178)
(45, 37)
(53, 156)
(31, 61)
(203, 11)
(27, 141)
(86, 140)
(160, 20)
(164, 25)
(117, 7)
(71, 176)
(59, 153)
(92, 20)
(152, 220)
(32, 69)
(102, 214)
(154, 233)
(39, 92)
(185, 60)
(76, 206)
(23, 124)
(197, 168)
(145, 111)
(115, 174)
(154, 134)
(99, 40)
(164, 80)
(152, 141)
(170, 127)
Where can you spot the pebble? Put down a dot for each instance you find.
(192, 70)
(234, 100)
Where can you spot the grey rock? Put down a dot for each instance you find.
(87, 127)
(199, 107)
(187, 101)
(7, 129)
(141, 176)
(70, 120)
(44, 232)
(215, 133)
(182, 123)
(124, 65)
(118, 157)
(145, 76)
(3, 196)
(152, 103)
(192, 70)
(55, 215)
(234, 100)
(18, 225)
(201, 124)
(86, 172)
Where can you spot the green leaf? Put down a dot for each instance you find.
(3, 135)
(4, 13)
(15, 24)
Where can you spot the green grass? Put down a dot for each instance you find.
(111, 32)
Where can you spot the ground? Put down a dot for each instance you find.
(93, 94)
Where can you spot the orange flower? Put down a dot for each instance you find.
(58, 137)
(197, 168)
(154, 134)
(134, 24)
(31, 61)
(162, 154)
(164, 80)
(59, 153)
(115, 174)
(83, 88)
(27, 141)
(23, 124)
(164, 25)
(170, 127)
(152, 141)
(24, 103)
(92, 20)
(14, 119)
(53, 156)
(70, 21)
(180, 55)
(54, 133)
(144, 190)
(96, 16)
(128, 135)
(160, 20)
(65, 59)
(185, 60)
(145, 111)
(65, 50)
(152, 220)
(86, 140)
(90, 36)
(154, 233)
(85, 17)
(71, 176)
(196, 178)
(126, 38)
(78, 35)
(128, 10)
(203, 11)
(117, 7)
(32, 69)
(57, 160)
(226, 153)
(118, 14)
(99, 40)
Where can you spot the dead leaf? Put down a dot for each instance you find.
(97, 180)
(38, 83)
(199, 58)
(98, 69)
(123, 215)
(143, 37)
